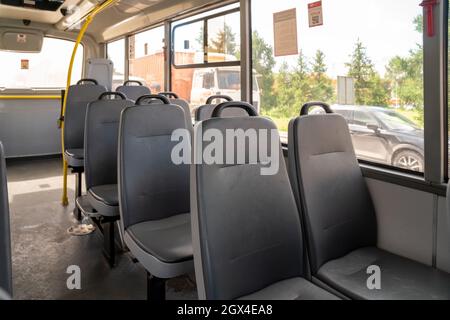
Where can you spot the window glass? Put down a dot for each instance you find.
(44, 70)
(222, 38)
(146, 58)
(189, 44)
(116, 53)
(350, 61)
(198, 84)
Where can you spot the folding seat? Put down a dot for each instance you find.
(154, 191)
(101, 138)
(175, 99)
(5, 235)
(78, 98)
(340, 218)
(133, 92)
(246, 229)
(205, 112)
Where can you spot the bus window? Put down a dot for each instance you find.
(224, 38)
(116, 53)
(146, 54)
(196, 76)
(382, 63)
(44, 70)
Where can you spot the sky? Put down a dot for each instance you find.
(384, 26)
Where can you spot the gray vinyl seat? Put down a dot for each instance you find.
(340, 217)
(101, 137)
(133, 92)
(247, 234)
(175, 99)
(205, 112)
(78, 98)
(154, 192)
(5, 234)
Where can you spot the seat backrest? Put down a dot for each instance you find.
(175, 99)
(334, 199)
(101, 70)
(134, 92)
(78, 98)
(205, 112)
(5, 235)
(246, 228)
(101, 138)
(151, 185)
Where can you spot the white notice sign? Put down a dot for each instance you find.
(315, 14)
(285, 33)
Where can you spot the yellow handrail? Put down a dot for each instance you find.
(31, 97)
(87, 22)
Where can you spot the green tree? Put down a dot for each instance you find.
(370, 89)
(224, 42)
(406, 77)
(285, 90)
(321, 85)
(301, 82)
(263, 65)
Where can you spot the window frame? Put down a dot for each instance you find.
(162, 25)
(205, 63)
(440, 40)
(435, 176)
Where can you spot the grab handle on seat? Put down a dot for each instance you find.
(116, 94)
(219, 96)
(93, 81)
(307, 106)
(217, 113)
(170, 95)
(139, 83)
(164, 99)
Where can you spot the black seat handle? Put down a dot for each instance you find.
(109, 94)
(217, 113)
(219, 96)
(139, 83)
(164, 99)
(93, 81)
(307, 106)
(170, 95)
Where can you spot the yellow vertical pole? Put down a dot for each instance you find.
(89, 18)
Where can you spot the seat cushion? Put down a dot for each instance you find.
(401, 278)
(291, 289)
(108, 194)
(74, 157)
(169, 240)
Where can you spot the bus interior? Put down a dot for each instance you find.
(222, 150)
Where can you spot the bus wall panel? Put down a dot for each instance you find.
(405, 220)
(29, 127)
(443, 237)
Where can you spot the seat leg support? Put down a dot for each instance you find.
(78, 182)
(156, 288)
(109, 243)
